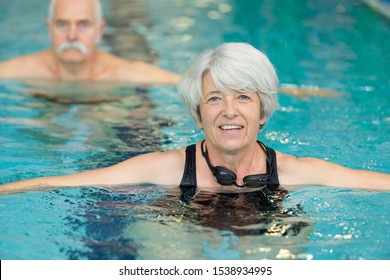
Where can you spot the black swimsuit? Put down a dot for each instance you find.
(188, 182)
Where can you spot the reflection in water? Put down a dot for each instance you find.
(104, 218)
(247, 213)
(150, 222)
(102, 121)
(76, 132)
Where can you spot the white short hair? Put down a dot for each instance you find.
(233, 66)
(98, 10)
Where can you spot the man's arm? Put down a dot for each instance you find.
(304, 91)
(135, 71)
(143, 72)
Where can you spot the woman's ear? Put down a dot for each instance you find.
(263, 118)
(198, 120)
(199, 124)
(262, 122)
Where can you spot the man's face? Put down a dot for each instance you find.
(74, 30)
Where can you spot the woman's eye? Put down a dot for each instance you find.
(213, 99)
(244, 97)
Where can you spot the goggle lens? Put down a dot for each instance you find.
(260, 181)
(226, 177)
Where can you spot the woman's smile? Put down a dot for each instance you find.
(231, 129)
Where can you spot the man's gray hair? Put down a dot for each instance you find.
(233, 67)
(98, 10)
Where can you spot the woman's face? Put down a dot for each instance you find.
(230, 120)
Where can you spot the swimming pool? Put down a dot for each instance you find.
(339, 45)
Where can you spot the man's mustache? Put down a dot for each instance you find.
(72, 45)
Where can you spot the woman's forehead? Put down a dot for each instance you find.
(226, 84)
(210, 86)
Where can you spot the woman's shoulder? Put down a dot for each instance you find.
(163, 158)
(281, 157)
(166, 167)
(171, 156)
(287, 165)
(162, 168)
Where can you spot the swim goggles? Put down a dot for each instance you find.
(226, 177)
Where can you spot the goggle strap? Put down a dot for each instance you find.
(205, 154)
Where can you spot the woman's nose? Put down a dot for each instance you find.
(230, 108)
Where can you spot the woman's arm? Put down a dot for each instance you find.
(312, 171)
(163, 168)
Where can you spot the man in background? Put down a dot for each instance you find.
(75, 28)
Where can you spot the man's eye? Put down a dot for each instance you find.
(84, 25)
(61, 24)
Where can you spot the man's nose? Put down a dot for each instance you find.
(72, 34)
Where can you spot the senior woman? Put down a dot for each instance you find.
(230, 91)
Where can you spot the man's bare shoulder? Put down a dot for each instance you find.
(136, 71)
(26, 66)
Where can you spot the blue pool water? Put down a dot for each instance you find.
(340, 45)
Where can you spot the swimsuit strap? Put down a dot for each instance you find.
(273, 179)
(188, 182)
(189, 175)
